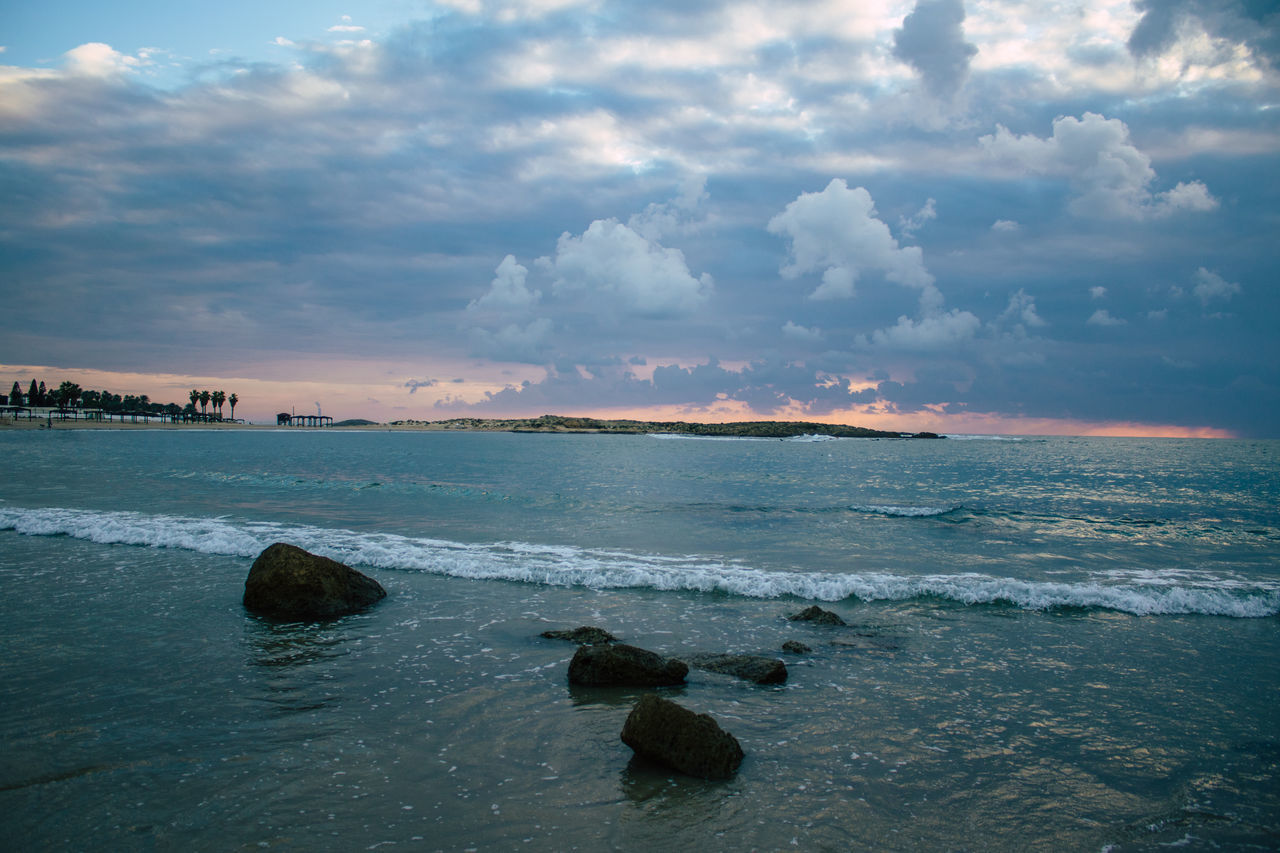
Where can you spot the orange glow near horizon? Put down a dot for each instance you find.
(352, 396)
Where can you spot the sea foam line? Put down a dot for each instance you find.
(605, 569)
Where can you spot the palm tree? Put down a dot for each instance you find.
(218, 397)
(204, 402)
(194, 396)
(233, 399)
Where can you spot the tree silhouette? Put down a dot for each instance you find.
(194, 397)
(68, 392)
(33, 394)
(233, 399)
(204, 402)
(15, 396)
(218, 397)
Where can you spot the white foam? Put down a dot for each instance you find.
(563, 565)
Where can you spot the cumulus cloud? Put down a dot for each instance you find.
(1102, 317)
(1097, 291)
(1005, 225)
(96, 59)
(932, 332)
(1020, 315)
(839, 233)
(909, 225)
(508, 290)
(529, 343)
(1110, 176)
(796, 332)
(615, 267)
(1256, 25)
(931, 41)
(1211, 286)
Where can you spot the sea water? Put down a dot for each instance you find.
(1058, 643)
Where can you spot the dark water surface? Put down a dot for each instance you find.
(1053, 644)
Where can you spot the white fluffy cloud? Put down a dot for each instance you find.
(932, 332)
(1110, 176)
(1210, 286)
(838, 232)
(612, 266)
(1102, 317)
(508, 290)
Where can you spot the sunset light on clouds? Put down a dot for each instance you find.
(965, 217)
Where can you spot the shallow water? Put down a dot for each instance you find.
(144, 709)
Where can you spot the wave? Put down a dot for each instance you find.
(607, 569)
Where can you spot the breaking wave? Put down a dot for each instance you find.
(604, 569)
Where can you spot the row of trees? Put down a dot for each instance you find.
(69, 395)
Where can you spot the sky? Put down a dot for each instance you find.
(965, 216)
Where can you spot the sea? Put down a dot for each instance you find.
(1052, 643)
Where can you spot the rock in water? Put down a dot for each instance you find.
(818, 616)
(795, 647)
(587, 634)
(621, 665)
(671, 734)
(287, 582)
(761, 670)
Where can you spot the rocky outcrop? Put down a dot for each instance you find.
(585, 635)
(795, 647)
(761, 670)
(621, 665)
(672, 735)
(289, 583)
(817, 615)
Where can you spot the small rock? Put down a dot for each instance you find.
(621, 665)
(817, 615)
(585, 635)
(289, 583)
(761, 670)
(671, 734)
(796, 647)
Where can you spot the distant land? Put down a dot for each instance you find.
(737, 429)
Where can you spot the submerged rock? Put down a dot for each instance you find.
(795, 647)
(761, 670)
(621, 665)
(584, 635)
(817, 615)
(671, 734)
(287, 582)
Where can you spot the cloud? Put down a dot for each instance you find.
(1255, 25)
(1211, 286)
(1110, 176)
(1102, 317)
(933, 332)
(529, 343)
(797, 332)
(613, 267)
(507, 291)
(838, 232)
(1097, 292)
(931, 41)
(909, 225)
(96, 59)
(1005, 226)
(413, 384)
(1020, 316)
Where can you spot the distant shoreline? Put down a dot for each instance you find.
(556, 424)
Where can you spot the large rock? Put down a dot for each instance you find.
(287, 582)
(761, 670)
(671, 734)
(818, 616)
(621, 665)
(585, 635)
